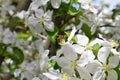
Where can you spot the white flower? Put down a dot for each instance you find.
(82, 42)
(99, 69)
(68, 62)
(39, 20)
(6, 36)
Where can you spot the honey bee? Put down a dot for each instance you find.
(60, 39)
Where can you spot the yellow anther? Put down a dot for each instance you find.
(65, 77)
(73, 64)
(41, 20)
(88, 47)
(106, 67)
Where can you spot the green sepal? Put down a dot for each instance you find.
(95, 47)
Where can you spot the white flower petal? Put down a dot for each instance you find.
(59, 52)
(113, 61)
(32, 21)
(114, 51)
(93, 66)
(84, 73)
(43, 2)
(48, 15)
(103, 54)
(106, 44)
(55, 3)
(99, 75)
(69, 71)
(51, 75)
(85, 58)
(39, 13)
(99, 41)
(69, 52)
(63, 62)
(82, 40)
(79, 49)
(112, 75)
(37, 3)
(36, 29)
(49, 25)
(72, 34)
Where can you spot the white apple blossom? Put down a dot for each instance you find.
(87, 5)
(6, 36)
(40, 20)
(105, 63)
(68, 62)
(76, 57)
(84, 44)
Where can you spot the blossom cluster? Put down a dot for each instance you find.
(59, 40)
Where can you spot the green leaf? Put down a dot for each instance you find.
(54, 64)
(52, 35)
(96, 47)
(117, 69)
(86, 29)
(17, 56)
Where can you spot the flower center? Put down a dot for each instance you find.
(106, 67)
(114, 44)
(41, 20)
(88, 47)
(65, 77)
(45, 67)
(73, 64)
